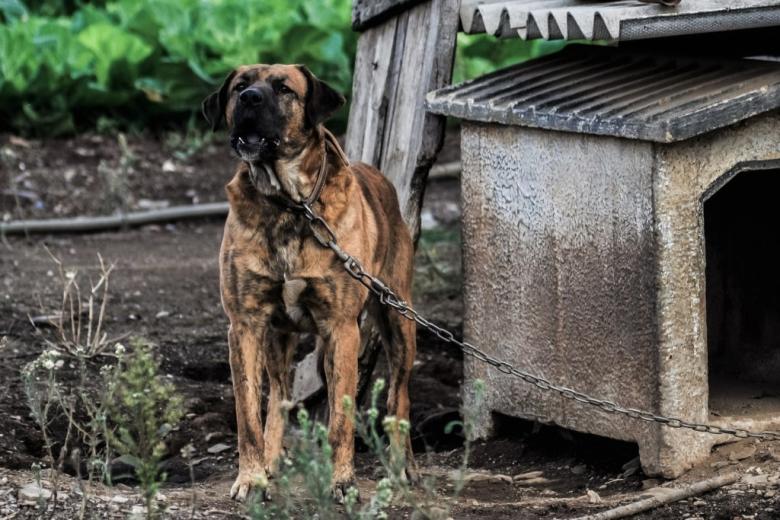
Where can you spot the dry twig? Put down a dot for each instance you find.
(82, 339)
(668, 496)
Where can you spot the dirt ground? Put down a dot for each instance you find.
(165, 289)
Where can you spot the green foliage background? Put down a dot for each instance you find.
(67, 65)
(479, 54)
(64, 64)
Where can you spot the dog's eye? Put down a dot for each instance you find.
(284, 89)
(240, 86)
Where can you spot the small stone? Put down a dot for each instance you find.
(774, 454)
(735, 492)
(742, 452)
(755, 480)
(218, 448)
(632, 464)
(119, 499)
(32, 493)
(579, 469)
(152, 204)
(593, 497)
(214, 436)
(168, 166)
(197, 461)
(650, 483)
(534, 482)
(721, 464)
(488, 477)
(770, 493)
(162, 314)
(699, 503)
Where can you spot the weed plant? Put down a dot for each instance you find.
(303, 485)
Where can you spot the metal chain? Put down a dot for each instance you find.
(327, 238)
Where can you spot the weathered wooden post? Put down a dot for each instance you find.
(406, 50)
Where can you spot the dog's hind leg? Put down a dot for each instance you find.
(246, 366)
(277, 364)
(401, 348)
(341, 346)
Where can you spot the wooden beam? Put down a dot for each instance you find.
(367, 13)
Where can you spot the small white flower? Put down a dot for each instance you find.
(119, 349)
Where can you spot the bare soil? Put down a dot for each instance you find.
(165, 289)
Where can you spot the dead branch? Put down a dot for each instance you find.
(667, 496)
(68, 323)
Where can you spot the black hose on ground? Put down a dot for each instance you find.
(101, 223)
(155, 216)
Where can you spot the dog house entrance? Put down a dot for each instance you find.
(742, 237)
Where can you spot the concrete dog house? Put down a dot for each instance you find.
(619, 215)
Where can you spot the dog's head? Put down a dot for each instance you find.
(271, 110)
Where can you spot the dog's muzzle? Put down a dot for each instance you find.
(257, 121)
(253, 146)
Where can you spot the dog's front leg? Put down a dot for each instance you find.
(342, 346)
(246, 366)
(277, 364)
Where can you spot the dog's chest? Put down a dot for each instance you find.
(282, 241)
(277, 280)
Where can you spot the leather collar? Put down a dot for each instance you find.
(329, 144)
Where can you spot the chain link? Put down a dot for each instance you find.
(388, 298)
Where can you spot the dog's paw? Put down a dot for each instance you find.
(341, 489)
(412, 475)
(247, 484)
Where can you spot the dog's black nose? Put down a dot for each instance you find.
(251, 96)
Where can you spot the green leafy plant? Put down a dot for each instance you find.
(129, 409)
(63, 65)
(308, 467)
(302, 487)
(479, 54)
(56, 381)
(144, 409)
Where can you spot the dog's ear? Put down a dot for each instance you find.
(321, 99)
(213, 107)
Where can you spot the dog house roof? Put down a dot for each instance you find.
(613, 20)
(606, 91)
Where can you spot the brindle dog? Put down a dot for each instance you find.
(278, 282)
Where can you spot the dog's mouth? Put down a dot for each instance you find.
(254, 146)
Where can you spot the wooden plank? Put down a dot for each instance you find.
(397, 63)
(367, 13)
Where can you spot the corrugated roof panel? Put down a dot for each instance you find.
(615, 20)
(609, 91)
